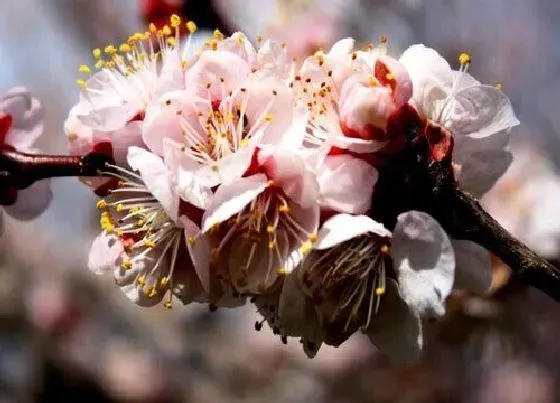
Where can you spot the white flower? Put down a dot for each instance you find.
(478, 116)
(131, 76)
(346, 278)
(147, 241)
(21, 123)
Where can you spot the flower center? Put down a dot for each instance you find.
(147, 233)
(349, 277)
(267, 227)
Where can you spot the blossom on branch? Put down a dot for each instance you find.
(21, 124)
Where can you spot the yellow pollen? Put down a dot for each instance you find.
(191, 26)
(171, 41)
(282, 271)
(84, 69)
(270, 229)
(313, 237)
(152, 27)
(126, 264)
(101, 204)
(259, 38)
(110, 50)
(372, 81)
(151, 292)
(140, 280)
(380, 291)
(96, 53)
(306, 247)
(100, 64)
(271, 244)
(284, 208)
(149, 243)
(124, 48)
(191, 240)
(164, 280)
(166, 30)
(140, 223)
(167, 305)
(465, 58)
(175, 20)
(384, 249)
(268, 118)
(120, 207)
(500, 86)
(390, 76)
(218, 35)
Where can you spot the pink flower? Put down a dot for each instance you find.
(350, 95)
(262, 224)
(229, 108)
(21, 123)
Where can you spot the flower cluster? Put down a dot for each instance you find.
(242, 176)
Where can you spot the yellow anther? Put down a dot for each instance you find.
(384, 249)
(126, 264)
(140, 280)
(271, 229)
(124, 48)
(151, 292)
(259, 38)
(268, 118)
(390, 76)
(72, 137)
(313, 237)
(96, 53)
(380, 291)
(152, 28)
(215, 168)
(240, 39)
(306, 247)
(110, 50)
(166, 30)
(101, 204)
(270, 182)
(282, 271)
(164, 280)
(175, 20)
(81, 83)
(184, 64)
(149, 243)
(167, 305)
(140, 223)
(120, 207)
(218, 35)
(100, 64)
(84, 69)
(271, 245)
(465, 58)
(500, 86)
(191, 26)
(191, 240)
(372, 81)
(171, 41)
(212, 44)
(284, 208)
(244, 142)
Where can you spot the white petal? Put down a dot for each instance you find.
(342, 48)
(226, 169)
(480, 111)
(199, 251)
(110, 117)
(424, 262)
(396, 329)
(473, 270)
(31, 201)
(482, 170)
(343, 227)
(104, 253)
(346, 184)
(231, 198)
(156, 178)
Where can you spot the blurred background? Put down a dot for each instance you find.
(67, 336)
